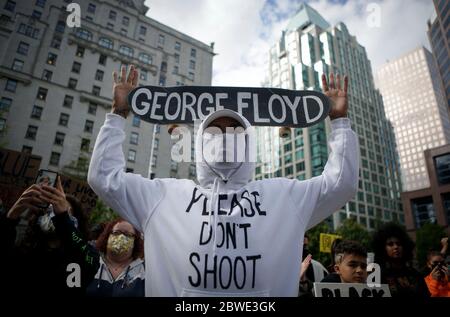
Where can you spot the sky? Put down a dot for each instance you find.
(244, 30)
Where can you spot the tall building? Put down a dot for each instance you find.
(56, 82)
(439, 36)
(415, 104)
(309, 47)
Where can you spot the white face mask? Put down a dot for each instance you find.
(224, 150)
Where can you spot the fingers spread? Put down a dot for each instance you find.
(136, 77)
(324, 83)
(130, 74)
(338, 81)
(345, 83)
(115, 77)
(332, 86)
(123, 74)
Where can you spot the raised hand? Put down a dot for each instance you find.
(122, 86)
(337, 95)
(30, 199)
(56, 197)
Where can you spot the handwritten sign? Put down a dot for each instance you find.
(326, 240)
(350, 290)
(260, 106)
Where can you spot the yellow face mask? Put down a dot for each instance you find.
(120, 244)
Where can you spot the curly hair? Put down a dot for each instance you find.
(380, 237)
(79, 213)
(102, 241)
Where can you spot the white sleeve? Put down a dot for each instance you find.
(131, 195)
(318, 197)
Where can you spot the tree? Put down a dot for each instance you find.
(428, 237)
(314, 243)
(352, 230)
(101, 213)
(77, 169)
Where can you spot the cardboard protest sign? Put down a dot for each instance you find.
(350, 290)
(260, 106)
(326, 240)
(19, 170)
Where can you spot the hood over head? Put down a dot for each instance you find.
(232, 177)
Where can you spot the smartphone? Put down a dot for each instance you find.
(46, 177)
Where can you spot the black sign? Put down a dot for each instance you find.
(260, 106)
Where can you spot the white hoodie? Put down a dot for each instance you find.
(252, 246)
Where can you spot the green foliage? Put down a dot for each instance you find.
(77, 169)
(428, 237)
(352, 230)
(101, 213)
(314, 243)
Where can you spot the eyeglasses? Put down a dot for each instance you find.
(127, 234)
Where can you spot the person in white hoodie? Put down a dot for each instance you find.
(226, 235)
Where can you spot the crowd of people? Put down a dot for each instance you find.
(112, 260)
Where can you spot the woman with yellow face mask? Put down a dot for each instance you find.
(114, 268)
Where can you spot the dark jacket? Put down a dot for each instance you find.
(404, 282)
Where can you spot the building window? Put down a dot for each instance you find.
(54, 158)
(89, 18)
(17, 65)
(31, 132)
(72, 83)
(96, 90)
(175, 69)
(192, 64)
(42, 93)
(99, 75)
(123, 32)
(40, 3)
(423, 211)
(23, 48)
(68, 101)
(156, 145)
(102, 59)
(173, 166)
(85, 145)
(193, 53)
(59, 138)
(27, 149)
(92, 109)
(134, 138)
(11, 85)
(161, 39)
(76, 67)
(136, 121)
(110, 26)
(177, 46)
(126, 21)
(105, 42)
(2, 124)
(56, 42)
(83, 34)
(112, 15)
(10, 5)
(142, 30)
(131, 155)
(89, 126)
(64, 119)
(162, 81)
(154, 161)
(51, 58)
(60, 27)
(143, 74)
(91, 8)
(191, 76)
(125, 50)
(36, 112)
(145, 58)
(36, 14)
(80, 51)
(192, 171)
(28, 30)
(177, 58)
(442, 165)
(5, 104)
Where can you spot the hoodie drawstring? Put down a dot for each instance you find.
(213, 210)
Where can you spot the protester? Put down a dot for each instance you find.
(394, 252)
(334, 244)
(227, 235)
(38, 261)
(437, 281)
(350, 263)
(117, 260)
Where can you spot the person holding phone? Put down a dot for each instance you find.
(437, 281)
(36, 260)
